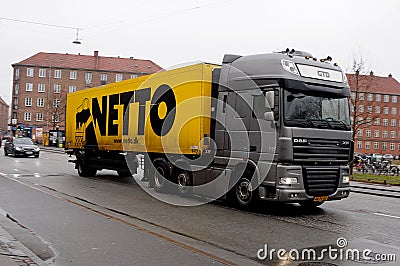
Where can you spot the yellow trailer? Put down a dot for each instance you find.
(149, 114)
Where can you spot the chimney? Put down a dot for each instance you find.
(390, 75)
(371, 73)
(96, 55)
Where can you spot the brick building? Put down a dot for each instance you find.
(4, 111)
(376, 109)
(42, 81)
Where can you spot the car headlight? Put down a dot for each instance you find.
(18, 148)
(345, 179)
(37, 149)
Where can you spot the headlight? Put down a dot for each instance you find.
(18, 148)
(290, 66)
(288, 180)
(37, 149)
(345, 179)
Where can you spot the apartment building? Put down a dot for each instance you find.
(42, 81)
(4, 111)
(376, 108)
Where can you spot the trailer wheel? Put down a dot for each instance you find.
(310, 204)
(184, 182)
(85, 171)
(161, 176)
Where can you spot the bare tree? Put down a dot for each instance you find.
(56, 110)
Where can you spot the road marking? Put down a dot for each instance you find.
(3, 174)
(387, 215)
(16, 170)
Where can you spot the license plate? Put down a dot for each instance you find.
(321, 198)
(28, 152)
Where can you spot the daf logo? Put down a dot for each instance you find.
(323, 74)
(300, 140)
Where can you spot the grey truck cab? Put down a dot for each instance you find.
(301, 146)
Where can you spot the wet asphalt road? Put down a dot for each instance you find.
(110, 221)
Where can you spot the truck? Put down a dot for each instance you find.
(264, 127)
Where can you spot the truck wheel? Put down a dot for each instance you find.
(85, 171)
(161, 176)
(184, 182)
(310, 204)
(242, 193)
(124, 173)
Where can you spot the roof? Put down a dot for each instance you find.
(92, 62)
(3, 102)
(374, 84)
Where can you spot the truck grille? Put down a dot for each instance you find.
(319, 181)
(321, 151)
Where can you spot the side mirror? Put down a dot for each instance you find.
(269, 116)
(270, 99)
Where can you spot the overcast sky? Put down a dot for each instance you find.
(177, 31)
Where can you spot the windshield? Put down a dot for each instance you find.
(23, 141)
(304, 110)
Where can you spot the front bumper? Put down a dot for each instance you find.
(288, 195)
(26, 153)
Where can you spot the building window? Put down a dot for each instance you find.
(378, 97)
(376, 145)
(394, 99)
(361, 108)
(393, 134)
(73, 74)
(72, 89)
(39, 117)
(29, 87)
(55, 118)
(393, 122)
(384, 145)
(57, 88)
(103, 77)
(368, 133)
(16, 88)
(17, 73)
(57, 74)
(369, 109)
(385, 122)
(386, 110)
(42, 73)
(27, 116)
(29, 72)
(88, 77)
(377, 109)
(386, 98)
(369, 120)
(369, 97)
(353, 95)
(133, 76)
(367, 145)
(41, 87)
(399, 146)
(394, 110)
(376, 133)
(28, 101)
(359, 144)
(40, 102)
(377, 121)
(56, 103)
(392, 146)
(384, 134)
(118, 77)
(361, 96)
(359, 133)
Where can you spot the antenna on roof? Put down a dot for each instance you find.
(77, 40)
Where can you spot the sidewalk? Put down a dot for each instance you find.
(375, 189)
(13, 253)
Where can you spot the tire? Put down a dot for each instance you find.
(310, 204)
(37, 156)
(85, 171)
(161, 176)
(242, 194)
(124, 173)
(184, 183)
